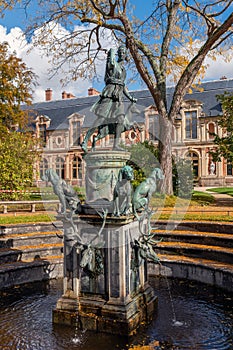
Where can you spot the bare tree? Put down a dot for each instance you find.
(173, 40)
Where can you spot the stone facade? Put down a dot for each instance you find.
(62, 125)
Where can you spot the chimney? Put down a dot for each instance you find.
(92, 91)
(64, 95)
(48, 94)
(70, 95)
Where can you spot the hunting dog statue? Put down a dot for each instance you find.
(145, 190)
(122, 192)
(66, 194)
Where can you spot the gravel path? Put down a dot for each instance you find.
(221, 200)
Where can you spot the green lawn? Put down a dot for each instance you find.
(198, 198)
(26, 218)
(223, 190)
(213, 217)
(46, 193)
(198, 208)
(202, 198)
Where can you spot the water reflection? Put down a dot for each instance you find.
(203, 317)
(203, 321)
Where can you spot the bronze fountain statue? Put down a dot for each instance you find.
(110, 108)
(107, 243)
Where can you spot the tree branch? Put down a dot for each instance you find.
(172, 11)
(195, 64)
(217, 14)
(221, 41)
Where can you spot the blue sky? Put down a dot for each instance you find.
(15, 21)
(14, 18)
(18, 18)
(11, 27)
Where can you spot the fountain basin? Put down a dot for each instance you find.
(204, 311)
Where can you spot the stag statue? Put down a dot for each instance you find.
(91, 256)
(142, 250)
(145, 242)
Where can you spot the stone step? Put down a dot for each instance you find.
(33, 238)
(196, 237)
(29, 252)
(10, 255)
(203, 270)
(195, 226)
(21, 272)
(27, 228)
(216, 253)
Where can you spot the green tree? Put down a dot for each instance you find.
(182, 178)
(144, 158)
(173, 41)
(17, 159)
(15, 88)
(224, 143)
(18, 147)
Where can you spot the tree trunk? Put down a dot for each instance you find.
(165, 154)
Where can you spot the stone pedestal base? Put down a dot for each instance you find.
(105, 275)
(108, 317)
(102, 169)
(120, 298)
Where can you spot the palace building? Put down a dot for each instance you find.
(62, 125)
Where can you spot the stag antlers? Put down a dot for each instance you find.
(103, 215)
(146, 241)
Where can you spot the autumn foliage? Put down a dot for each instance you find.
(17, 145)
(171, 42)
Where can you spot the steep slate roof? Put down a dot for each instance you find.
(59, 110)
(211, 107)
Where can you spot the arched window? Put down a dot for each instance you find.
(80, 172)
(193, 157)
(77, 168)
(43, 167)
(60, 167)
(229, 169)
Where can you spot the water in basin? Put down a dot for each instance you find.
(203, 320)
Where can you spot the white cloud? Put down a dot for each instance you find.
(41, 64)
(219, 68)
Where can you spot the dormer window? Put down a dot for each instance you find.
(42, 123)
(76, 127)
(42, 131)
(211, 131)
(190, 112)
(190, 124)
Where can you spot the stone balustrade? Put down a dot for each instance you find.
(29, 205)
